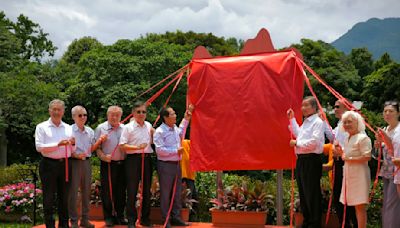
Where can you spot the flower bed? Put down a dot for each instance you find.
(17, 199)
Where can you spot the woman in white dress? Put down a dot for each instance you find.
(356, 174)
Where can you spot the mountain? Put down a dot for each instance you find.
(378, 35)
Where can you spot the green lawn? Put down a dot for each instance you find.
(14, 225)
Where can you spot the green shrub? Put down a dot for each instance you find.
(17, 173)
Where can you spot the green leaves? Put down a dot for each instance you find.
(334, 67)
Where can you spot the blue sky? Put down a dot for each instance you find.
(109, 20)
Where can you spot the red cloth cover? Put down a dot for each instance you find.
(240, 121)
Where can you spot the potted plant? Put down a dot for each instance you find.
(325, 193)
(298, 214)
(155, 210)
(245, 205)
(95, 208)
(187, 203)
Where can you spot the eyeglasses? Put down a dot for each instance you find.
(82, 115)
(141, 112)
(337, 106)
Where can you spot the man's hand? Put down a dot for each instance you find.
(64, 142)
(72, 141)
(180, 151)
(293, 142)
(106, 158)
(142, 146)
(189, 111)
(79, 156)
(337, 151)
(103, 138)
(290, 113)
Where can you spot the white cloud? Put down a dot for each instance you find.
(287, 20)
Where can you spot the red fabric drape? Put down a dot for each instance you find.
(240, 120)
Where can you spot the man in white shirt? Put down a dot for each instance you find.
(81, 173)
(135, 141)
(53, 139)
(308, 147)
(167, 140)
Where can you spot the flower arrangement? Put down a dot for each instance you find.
(18, 198)
(252, 197)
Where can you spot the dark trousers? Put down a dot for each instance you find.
(133, 167)
(351, 217)
(81, 178)
(168, 172)
(191, 186)
(308, 176)
(118, 189)
(55, 188)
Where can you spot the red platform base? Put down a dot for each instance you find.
(101, 224)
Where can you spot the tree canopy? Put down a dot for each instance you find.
(96, 76)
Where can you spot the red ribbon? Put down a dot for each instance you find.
(66, 163)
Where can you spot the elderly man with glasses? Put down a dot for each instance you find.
(135, 141)
(81, 173)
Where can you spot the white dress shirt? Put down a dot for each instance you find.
(133, 134)
(310, 136)
(47, 137)
(340, 134)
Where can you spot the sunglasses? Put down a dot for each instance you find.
(141, 112)
(394, 103)
(81, 115)
(337, 106)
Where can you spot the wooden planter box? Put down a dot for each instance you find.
(11, 217)
(95, 212)
(249, 219)
(298, 219)
(333, 221)
(156, 217)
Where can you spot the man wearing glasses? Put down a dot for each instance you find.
(135, 141)
(167, 140)
(81, 170)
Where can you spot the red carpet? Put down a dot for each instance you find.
(194, 224)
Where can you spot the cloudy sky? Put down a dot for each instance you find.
(109, 20)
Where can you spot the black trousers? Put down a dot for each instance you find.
(118, 189)
(308, 176)
(351, 217)
(167, 172)
(133, 167)
(55, 188)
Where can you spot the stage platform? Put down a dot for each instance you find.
(101, 224)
